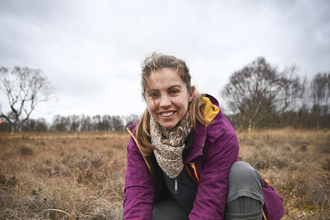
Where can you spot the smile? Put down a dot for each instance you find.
(167, 114)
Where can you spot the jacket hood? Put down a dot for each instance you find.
(211, 108)
(213, 113)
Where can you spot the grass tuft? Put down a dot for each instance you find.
(26, 151)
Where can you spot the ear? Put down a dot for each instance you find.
(191, 93)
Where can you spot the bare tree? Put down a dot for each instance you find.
(290, 98)
(61, 123)
(74, 122)
(98, 124)
(117, 123)
(106, 119)
(131, 119)
(252, 91)
(35, 125)
(25, 88)
(320, 95)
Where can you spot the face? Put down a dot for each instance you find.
(168, 98)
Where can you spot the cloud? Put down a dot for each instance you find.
(92, 51)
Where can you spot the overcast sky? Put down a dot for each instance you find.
(91, 51)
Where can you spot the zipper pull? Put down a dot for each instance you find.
(176, 185)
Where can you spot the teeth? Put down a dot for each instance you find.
(167, 114)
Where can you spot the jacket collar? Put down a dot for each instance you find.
(213, 114)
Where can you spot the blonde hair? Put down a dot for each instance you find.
(157, 62)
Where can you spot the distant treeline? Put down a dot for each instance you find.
(75, 123)
(258, 96)
(304, 118)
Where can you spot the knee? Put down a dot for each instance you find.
(243, 173)
(241, 166)
(244, 188)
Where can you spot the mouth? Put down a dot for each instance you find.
(167, 114)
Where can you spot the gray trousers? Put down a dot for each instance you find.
(244, 199)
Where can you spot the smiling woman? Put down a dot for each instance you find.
(168, 97)
(182, 158)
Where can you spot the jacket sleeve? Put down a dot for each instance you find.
(218, 156)
(139, 189)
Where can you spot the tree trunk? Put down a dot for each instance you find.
(250, 125)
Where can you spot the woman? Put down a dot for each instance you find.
(182, 158)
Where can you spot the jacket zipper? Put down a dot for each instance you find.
(176, 185)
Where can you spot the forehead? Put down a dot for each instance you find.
(165, 77)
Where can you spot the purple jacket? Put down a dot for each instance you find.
(213, 151)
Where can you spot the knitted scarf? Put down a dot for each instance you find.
(169, 145)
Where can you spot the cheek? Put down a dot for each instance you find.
(150, 104)
(186, 100)
(183, 103)
(186, 105)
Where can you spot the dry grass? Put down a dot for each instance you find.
(62, 175)
(298, 165)
(81, 175)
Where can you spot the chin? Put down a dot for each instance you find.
(168, 126)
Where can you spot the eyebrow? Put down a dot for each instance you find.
(171, 87)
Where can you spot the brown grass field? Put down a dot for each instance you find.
(81, 175)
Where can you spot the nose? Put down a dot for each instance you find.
(164, 101)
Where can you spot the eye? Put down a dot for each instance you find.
(155, 94)
(173, 92)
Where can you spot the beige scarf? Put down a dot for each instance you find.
(169, 145)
